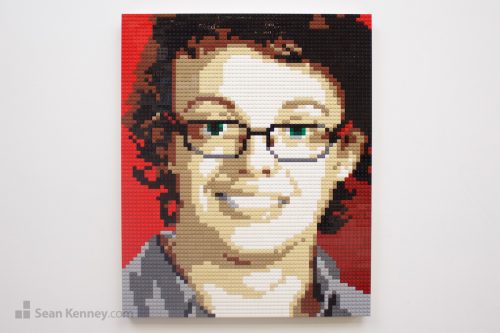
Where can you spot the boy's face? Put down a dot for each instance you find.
(265, 199)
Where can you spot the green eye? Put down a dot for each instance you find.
(215, 128)
(297, 131)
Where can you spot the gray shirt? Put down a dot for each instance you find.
(153, 287)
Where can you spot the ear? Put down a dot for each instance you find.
(171, 152)
(348, 150)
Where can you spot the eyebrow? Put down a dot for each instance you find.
(218, 100)
(297, 104)
(227, 106)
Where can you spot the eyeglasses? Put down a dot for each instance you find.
(286, 142)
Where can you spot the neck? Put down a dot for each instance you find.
(236, 285)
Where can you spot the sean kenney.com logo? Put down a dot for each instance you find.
(27, 312)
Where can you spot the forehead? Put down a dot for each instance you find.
(261, 89)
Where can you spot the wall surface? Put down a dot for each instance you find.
(436, 219)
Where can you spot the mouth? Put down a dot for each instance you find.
(258, 202)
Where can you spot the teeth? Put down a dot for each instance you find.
(251, 201)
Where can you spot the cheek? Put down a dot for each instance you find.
(308, 178)
(314, 182)
(202, 172)
(207, 167)
(195, 168)
(195, 173)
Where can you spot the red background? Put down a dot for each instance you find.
(350, 246)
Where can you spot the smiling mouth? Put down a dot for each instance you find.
(252, 202)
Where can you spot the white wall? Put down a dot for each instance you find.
(436, 219)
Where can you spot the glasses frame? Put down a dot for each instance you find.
(332, 133)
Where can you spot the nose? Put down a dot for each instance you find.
(258, 159)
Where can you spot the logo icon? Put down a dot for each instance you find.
(25, 312)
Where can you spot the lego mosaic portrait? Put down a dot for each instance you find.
(246, 165)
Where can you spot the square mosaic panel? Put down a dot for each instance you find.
(246, 165)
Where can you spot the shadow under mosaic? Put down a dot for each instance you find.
(246, 165)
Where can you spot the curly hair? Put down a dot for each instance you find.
(339, 43)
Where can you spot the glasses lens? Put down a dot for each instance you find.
(216, 139)
(299, 142)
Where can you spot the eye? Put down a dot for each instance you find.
(215, 128)
(298, 131)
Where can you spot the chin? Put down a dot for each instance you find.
(272, 237)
